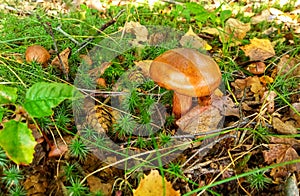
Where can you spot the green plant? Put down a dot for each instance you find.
(70, 171)
(140, 142)
(3, 158)
(76, 188)
(124, 126)
(12, 176)
(258, 180)
(17, 191)
(78, 149)
(174, 169)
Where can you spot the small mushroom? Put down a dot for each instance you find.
(189, 73)
(37, 53)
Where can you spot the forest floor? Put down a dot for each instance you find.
(83, 114)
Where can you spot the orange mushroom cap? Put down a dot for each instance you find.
(186, 71)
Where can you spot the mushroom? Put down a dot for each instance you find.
(188, 73)
(37, 53)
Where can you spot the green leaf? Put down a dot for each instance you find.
(225, 14)
(8, 94)
(17, 141)
(42, 97)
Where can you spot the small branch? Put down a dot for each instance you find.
(49, 30)
(59, 29)
(100, 30)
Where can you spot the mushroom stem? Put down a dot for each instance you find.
(181, 104)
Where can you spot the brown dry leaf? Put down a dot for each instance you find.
(98, 71)
(280, 153)
(283, 127)
(259, 49)
(191, 39)
(288, 65)
(236, 28)
(96, 184)
(263, 16)
(200, 119)
(86, 59)
(64, 56)
(140, 32)
(145, 66)
(152, 185)
(255, 86)
(211, 31)
(36, 184)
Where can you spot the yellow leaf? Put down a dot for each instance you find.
(152, 185)
(259, 49)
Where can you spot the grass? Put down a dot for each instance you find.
(143, 96)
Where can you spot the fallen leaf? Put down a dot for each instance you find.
(211, 31)
(288, 65)
(99, 70)
(200, 119)
(263, 16)
(152, 185)
(259, 49)
(280, 153)
(140, 32)
(95, 184)
(283, 127)
(64, 56)
(235, 28)
(191, 39)
(86, 59)
(255, 86)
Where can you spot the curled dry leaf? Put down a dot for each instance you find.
(37, 53)
(64, 56)
(152, 185)
(257, 68)
(283, 149)
(235, 28)
(283, 127)
(259, 49)
(191, 39)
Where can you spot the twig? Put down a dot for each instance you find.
(59, 29)
(48, 29)
(100, 30)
